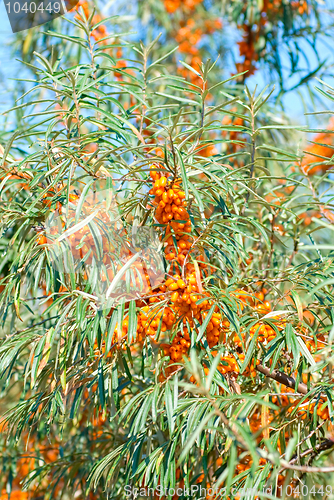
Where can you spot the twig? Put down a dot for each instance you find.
(325, 445)
(305, 468)
(282, 378)
(251, 172)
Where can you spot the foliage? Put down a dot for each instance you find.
(219, 373)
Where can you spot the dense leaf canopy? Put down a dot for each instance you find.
(167, 259)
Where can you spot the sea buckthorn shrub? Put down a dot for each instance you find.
(244, 36)
(215, 371)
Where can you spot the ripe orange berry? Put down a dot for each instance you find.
(181, 284)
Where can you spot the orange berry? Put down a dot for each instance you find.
(181, 284)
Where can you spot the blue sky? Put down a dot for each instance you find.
(8, 66)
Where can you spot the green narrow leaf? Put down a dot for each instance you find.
(205, 323)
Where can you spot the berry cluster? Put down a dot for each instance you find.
(173, 5)
(252, 47)
(189, 33)
(182, 303)
(316, 160)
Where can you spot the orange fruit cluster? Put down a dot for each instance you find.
(246, 464)
(173, 5)
(308, 216)
(150, 320)
(25, 464)
(185, 301)
(189, 33)
(184, 288)
(109, 250)
(315, 344)
(315, 161)
(15, 495)
(207, 151)
(254, 32)
(188, 36)
(256, 422)
(250, 370)
(15, 175)
(169, 199)
(228, 365)
(255, 300)
(48, 198)
(278, 196)
(307, 408)
(301, 6)
(266, 333)
(247, 50)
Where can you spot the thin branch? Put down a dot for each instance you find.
(282, 378)
(305, 468)
(325, 445)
